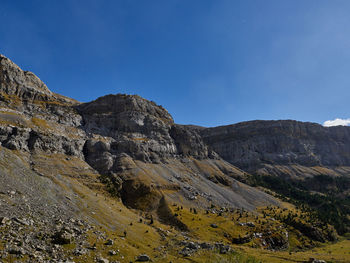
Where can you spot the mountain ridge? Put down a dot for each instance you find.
(112, 133)
(82, 175)
(281, 142)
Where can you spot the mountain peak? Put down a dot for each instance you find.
(120, 161)
(14, 80)
(118, 103)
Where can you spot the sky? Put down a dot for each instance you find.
(208, 62)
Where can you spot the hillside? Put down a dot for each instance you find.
(303, 161)
(116, 180)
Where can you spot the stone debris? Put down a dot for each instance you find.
(62, 237)
(5, 221)
(38, 239)
(109, 135)
(102, 260)
(113, 252)
(191, 247)
(109, 242)
(251, 224)
(143, 258)
(313, 260)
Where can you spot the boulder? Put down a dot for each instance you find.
(143, 258)
(62, 237)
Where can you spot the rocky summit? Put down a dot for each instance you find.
(116, 180)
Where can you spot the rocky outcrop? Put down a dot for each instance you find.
(24, 84)
(138, 149)
(111, 126)
(30, 140)
(69, 172)
(24, 92)
(139, 128)
(133, 125)
(189, 143)
(131, 142)
(255, 145)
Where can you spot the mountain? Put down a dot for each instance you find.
(123, 137)
(284, 148)
(303, 161)
(116, 180)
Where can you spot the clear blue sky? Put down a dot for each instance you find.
(207, 62)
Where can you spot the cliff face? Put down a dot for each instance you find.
(282, 147)
(22, 83)
(137, 127)
(71, 171)
(32, 118)
(140, 154)
(22, 91)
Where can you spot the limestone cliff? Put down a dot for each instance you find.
(283, 147)
(113, 179)
(141, 155)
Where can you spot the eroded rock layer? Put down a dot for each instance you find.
(142, 156)
(282, 147)
(116, 180)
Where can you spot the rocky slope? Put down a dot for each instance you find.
(117, 135)
(129, 144)
(112, 179)
(284, 148)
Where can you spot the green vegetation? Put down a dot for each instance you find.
(327, 205)
(233, 257)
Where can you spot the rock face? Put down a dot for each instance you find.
(30, 140)
(259, 146)
(136, 146)
(133, 143)
(190, 143)
(132, 126)
(32, 118)
(135, 126)
(68, 170)
(24, 84)
(22, 91)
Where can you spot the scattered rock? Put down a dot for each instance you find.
(16, 251)
(21, 221)
(193, 245)
(241, 240)
(80, 251)
(109, 242)
(223, 249)
(143, 258)
(112, 252)
(206, 245)
(5, 221)
(102, 260)
(62, 237)
(251, 224)
(186, 252)
(313, 260)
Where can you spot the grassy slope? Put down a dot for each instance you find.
(110, 217)
(337, 252)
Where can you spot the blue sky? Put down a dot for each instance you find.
(207, 62)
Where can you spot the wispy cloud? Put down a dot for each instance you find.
(337, 122)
